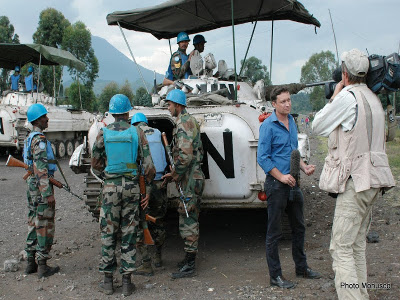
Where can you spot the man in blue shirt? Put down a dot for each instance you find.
(278, 138)
(30, 81)
(179, 64)
(15, 79)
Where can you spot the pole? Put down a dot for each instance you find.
(170, 49)
(272, 47)
(334, 37)
(38, 84)
(137, 66)
(248, 47)
(234, 50)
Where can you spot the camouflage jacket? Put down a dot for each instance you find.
(99, 158)
(40, 164)
(187, 152)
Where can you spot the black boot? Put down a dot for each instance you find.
(31, 266)
(188, 269)
(127, 286)
(106, 286)
(157, 258)
(45, 271)
(184, 261)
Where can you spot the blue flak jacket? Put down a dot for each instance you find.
(276, 144)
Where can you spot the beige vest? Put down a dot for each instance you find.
(360, 152)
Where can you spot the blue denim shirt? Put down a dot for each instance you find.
(275, 144)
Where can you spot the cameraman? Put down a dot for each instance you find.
(354, 120)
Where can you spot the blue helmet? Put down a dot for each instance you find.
(139, 117)
(177, 96)
(16, 69)
(182, 36)
(119, 104)
(30, 69)
(198, 38)
(35, 111)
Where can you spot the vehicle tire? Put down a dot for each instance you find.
(76, 143)
(69, 148)
(61, 149)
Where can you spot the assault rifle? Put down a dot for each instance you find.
(13, 162)
(172, 165)
(148, 240)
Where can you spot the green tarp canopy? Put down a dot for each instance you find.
(166, 20)
(12, 55)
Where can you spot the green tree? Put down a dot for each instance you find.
(49, 32)
(126, 89)
(301, 103)
(89, 101)
(78, 40)
(109, 90)
(142, 98)
(254, 70)
(7, 35)
(319, 67)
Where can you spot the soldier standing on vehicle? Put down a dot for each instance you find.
(198, 43)
(117, 152)
(355, 171)
(39, 156)
(179, 64)
(15, 79)
(278, 138)
(187, 153)
(158, 197)
(30, 81)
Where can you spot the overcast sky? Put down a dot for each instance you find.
(363, 24)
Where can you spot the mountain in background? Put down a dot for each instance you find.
(115, 66)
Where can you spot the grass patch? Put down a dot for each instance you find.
(322, 149)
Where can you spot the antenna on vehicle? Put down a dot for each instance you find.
(234, 50)
(272, 46)
(137, 66)
(169, 42)
(334, 37)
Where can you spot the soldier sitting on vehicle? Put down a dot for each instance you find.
(179, 67)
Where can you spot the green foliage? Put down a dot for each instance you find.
(319, 67)
(49, 32)
(78, 40)
(110, 90)
(301, 103)
(126, 89)
(87, 95)
(7, 35)
(254, 70)
(142, 98)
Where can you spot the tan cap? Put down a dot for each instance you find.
(357, 63)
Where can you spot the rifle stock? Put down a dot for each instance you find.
(148, 240)
(13, 162)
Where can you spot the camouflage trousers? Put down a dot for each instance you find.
(157, 208)
(119, 210)
(189, 226)
(40, 224)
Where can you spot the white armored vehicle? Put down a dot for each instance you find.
(67, 127)
(227, 108)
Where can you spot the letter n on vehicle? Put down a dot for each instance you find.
(226, 165)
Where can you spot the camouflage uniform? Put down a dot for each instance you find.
(187, 152)
(120, 204)
(40, 216)
(157, 208)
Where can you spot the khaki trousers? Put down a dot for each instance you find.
(348, 241)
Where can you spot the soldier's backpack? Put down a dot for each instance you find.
(384, 72)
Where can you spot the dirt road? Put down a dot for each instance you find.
(231, 261)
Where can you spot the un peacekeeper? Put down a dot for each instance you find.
(187, 153)
(30, 81)
(15, 79)
(179, 64)
(116, 155)
(198, 43)
(158, 198)
(39, 156)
